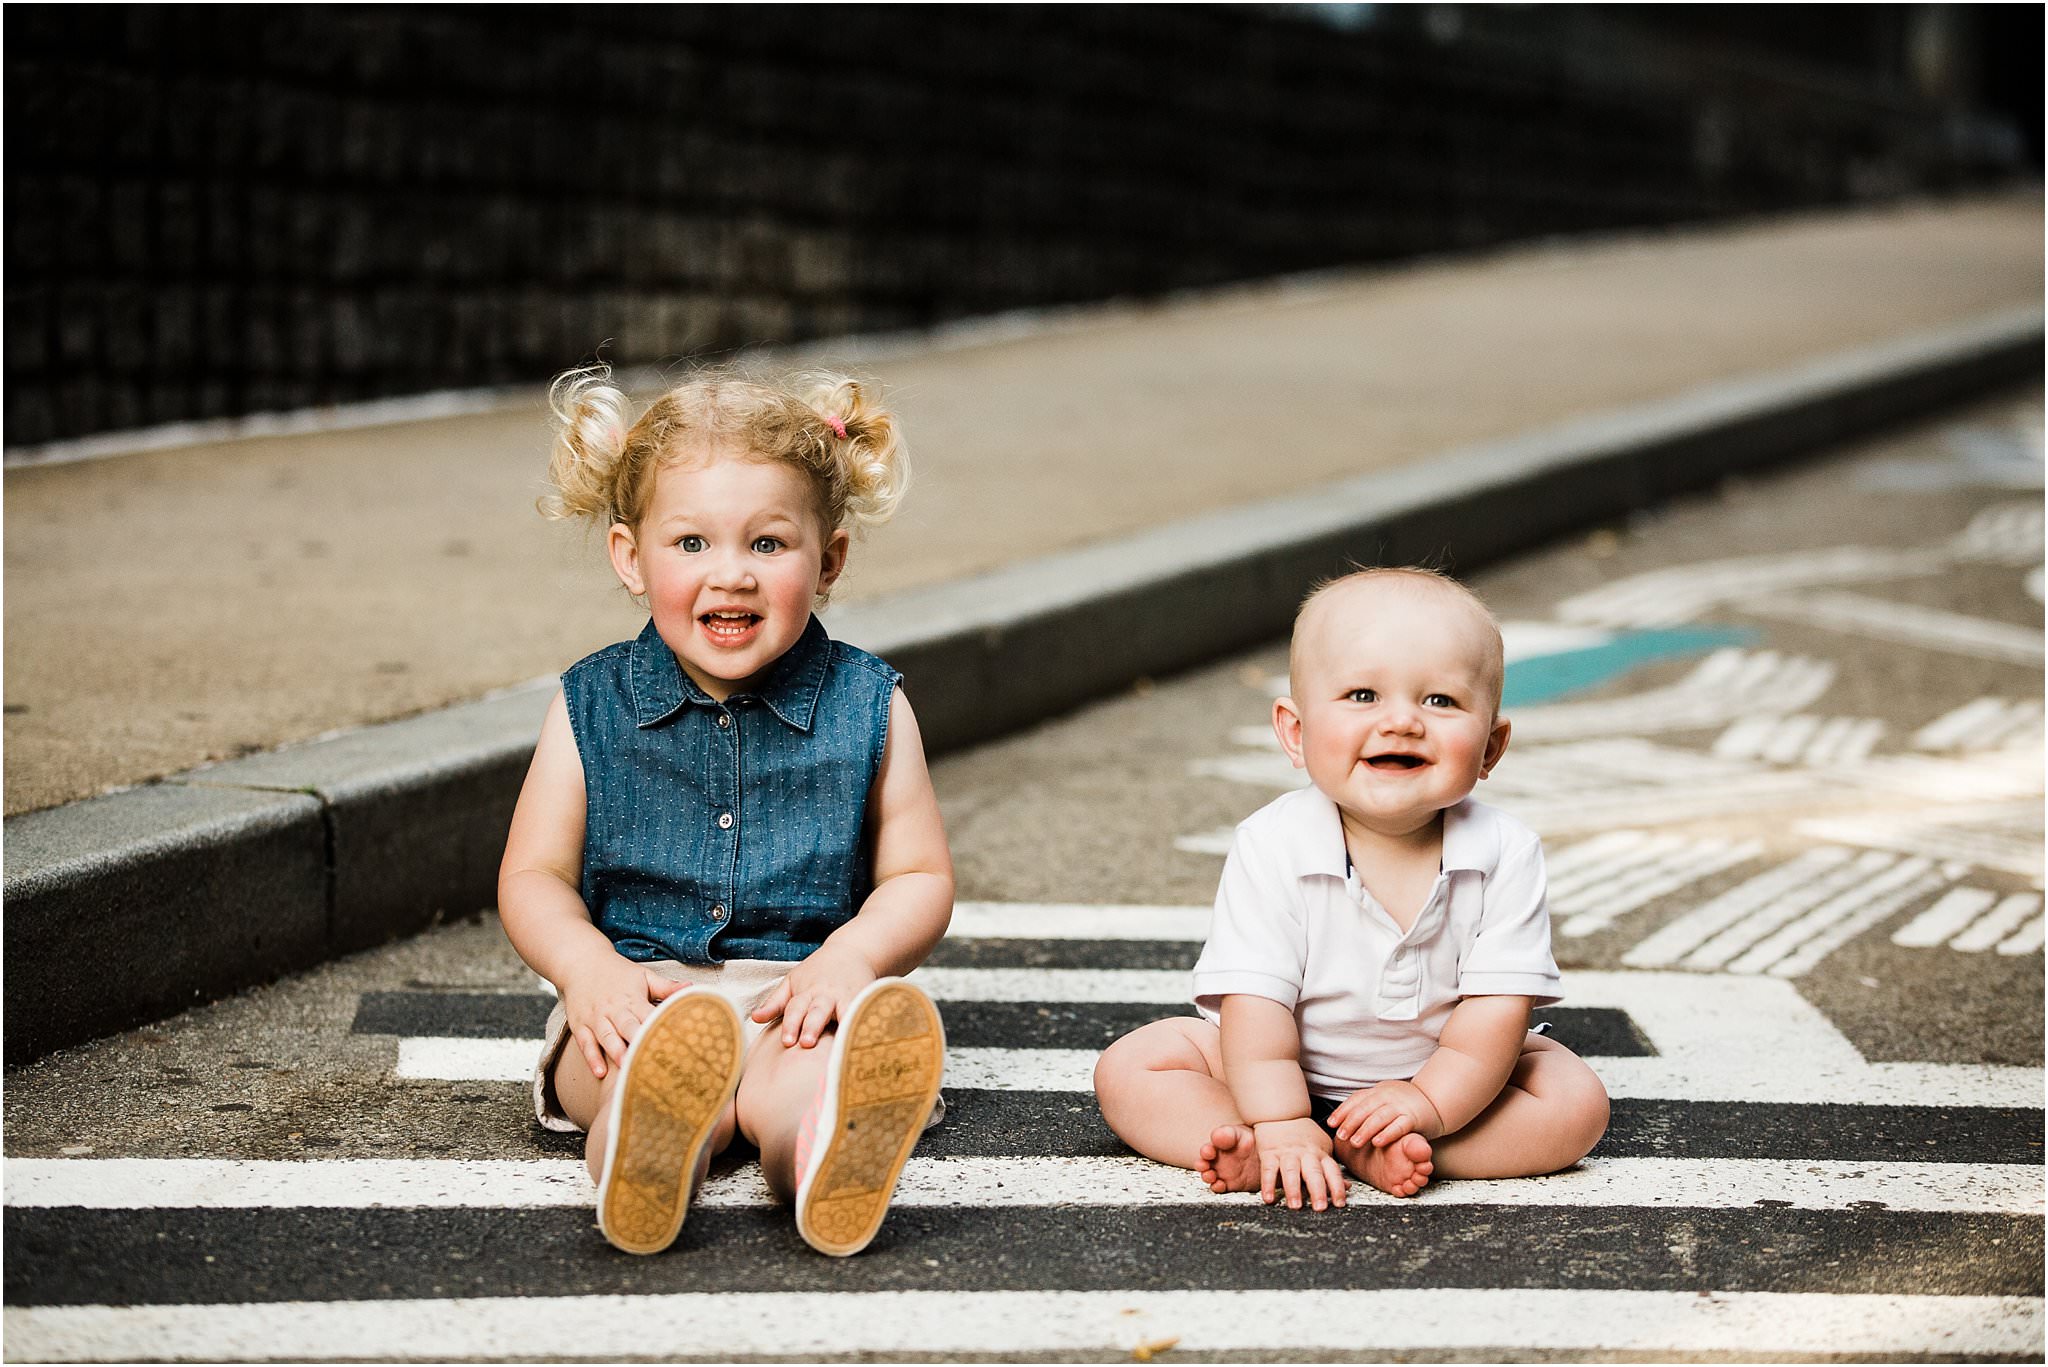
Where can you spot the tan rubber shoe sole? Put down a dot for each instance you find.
(890, 1054)
(679, 1074)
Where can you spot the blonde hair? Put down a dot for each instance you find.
(1414, 576)
(829, 427)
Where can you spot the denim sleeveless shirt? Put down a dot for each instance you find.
(730, 830)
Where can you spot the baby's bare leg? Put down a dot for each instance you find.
(1548, 1117)
(586, 1099)
(1161, 1090)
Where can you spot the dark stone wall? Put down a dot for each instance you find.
(230, 209)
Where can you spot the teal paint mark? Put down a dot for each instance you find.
(1544, 677)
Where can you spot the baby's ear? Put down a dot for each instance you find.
(1496, 745)
(1287, 726)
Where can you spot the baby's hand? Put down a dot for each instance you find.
(814, 993)
(606, 1005)
(1383, 1113)
(1294, 1155)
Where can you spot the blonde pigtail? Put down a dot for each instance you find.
(587, 461)
(869, 462)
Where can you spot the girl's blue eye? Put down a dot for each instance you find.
(691, 544)
(1363, 695)
(1441, 700)
(766, 545)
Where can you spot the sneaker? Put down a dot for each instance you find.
(678, 1075)
(878, 1091)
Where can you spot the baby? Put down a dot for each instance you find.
(1379, 938)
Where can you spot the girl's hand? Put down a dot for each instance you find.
(814, 993)
(1294, 1156)
(1383, 1113)
(605, 1006)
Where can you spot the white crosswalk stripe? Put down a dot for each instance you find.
(1713, 1183)
(796, 1325)
(1752, 1039)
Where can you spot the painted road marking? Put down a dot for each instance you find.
(1906, 623)
(1982, 724)
(1156, 986)
(1598, 785)
(1762, 937)
(1800, 739)
(786, 1325)
(1593, 857)
(1727, 685)
(2025, 940)
(1534, 678)
(1260, 768)
(2006, 919)
(1954, 910)
(1075, 921)
(1593, 899)
(1670, 596)
(362, 1184)
(1809, 876)
(1794, 951)
(1717, 1038)
(2008, 534)
(1993, 835)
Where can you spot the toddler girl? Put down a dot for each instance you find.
(727, 848)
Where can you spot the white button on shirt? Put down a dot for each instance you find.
(1293, 925)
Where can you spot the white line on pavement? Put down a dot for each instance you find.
(2001, 921)
(1956, 909)
(1809, 875)
(1068, 921)
(1748, 1038)
(1643, 1183)
(804, 1324)
(1741, 1071)
(1906, 623)
(1155, 986)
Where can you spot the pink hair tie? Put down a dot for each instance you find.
(836, 425)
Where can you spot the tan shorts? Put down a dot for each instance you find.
(743, 982)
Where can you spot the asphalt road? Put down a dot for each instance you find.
(1784, 745)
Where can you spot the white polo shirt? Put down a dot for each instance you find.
(1292, 925)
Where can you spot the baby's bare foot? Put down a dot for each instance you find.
(1230, 1160)
(1402, 1168)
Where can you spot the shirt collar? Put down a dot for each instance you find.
(1470, 839)
(661, 689)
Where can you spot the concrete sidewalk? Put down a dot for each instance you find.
(1168, 475)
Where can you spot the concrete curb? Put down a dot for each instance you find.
(234, 874)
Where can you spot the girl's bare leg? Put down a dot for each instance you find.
(1549, 1116)
(1161, 1090)
(586, 1099)
(778, 1084)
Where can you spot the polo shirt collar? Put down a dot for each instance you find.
(661, 689)
(1470, 839)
